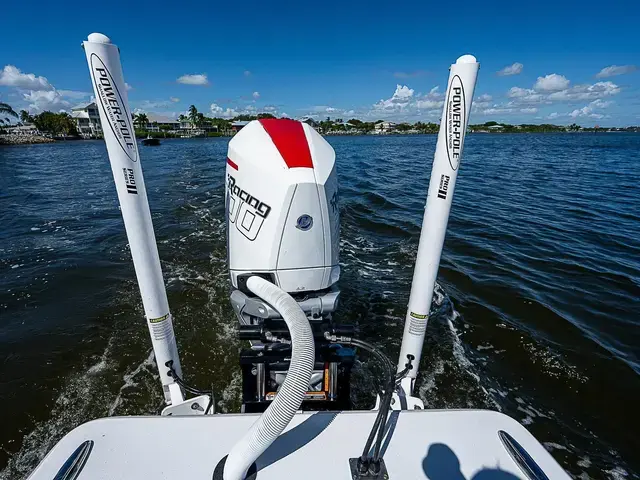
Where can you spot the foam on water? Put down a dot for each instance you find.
(147, 365)
(75, 404)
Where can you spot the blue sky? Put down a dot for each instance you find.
(560, 62)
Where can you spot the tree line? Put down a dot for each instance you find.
(197, 120)
(48, 122)
(63, 124)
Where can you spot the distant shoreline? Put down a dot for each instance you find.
(10, 140)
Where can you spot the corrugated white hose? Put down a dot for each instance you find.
(290, 395)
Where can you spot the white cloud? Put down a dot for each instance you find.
(614, 70)
(581, 112)
(147, 105)
(434, 100)
(174, 99)
(601, 103)
(586, 92)
(429, 104)
(524, 95)
(514, 69)
(406, 103)
(482, 102)
(74, 95)
(255, 95)
(219, 111)
(403, 105)
(517, 92)
(553, 115)
(327, 109)
(398, 101)
(127, 86)
(216, 109)
(40, 100)
(589, 110)
(11, 76)
(229, 113)
(585, 112)
(195, 79)
(555, 89)
(247, 73)
(529, 110)
(497, 111)
(551, 83)
(403, 92)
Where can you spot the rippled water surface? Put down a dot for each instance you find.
(537, 310)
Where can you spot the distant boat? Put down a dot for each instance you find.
(151, 142)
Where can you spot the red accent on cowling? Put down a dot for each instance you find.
(232, 164)
(289, 138)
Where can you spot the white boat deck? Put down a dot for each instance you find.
(432, 444)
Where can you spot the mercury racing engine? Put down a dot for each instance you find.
(283, 225)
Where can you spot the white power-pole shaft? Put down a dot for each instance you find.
(111, 98)
(455, 116)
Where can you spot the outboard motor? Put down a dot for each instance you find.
(283, 225)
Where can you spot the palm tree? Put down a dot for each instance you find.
(25, 117)
(193, 115)
(141, 120)
(6, 110)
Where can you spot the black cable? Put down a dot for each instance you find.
(393, 378)
(384, 410)
(393, 381)
(188, 388)
(400, 375)
(385, 399)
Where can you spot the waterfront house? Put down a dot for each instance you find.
(23, 130)
(186, 124)
(312, 123)
(87, 119)
(309, 121)
(385, 127)
(237, 126)
(160, 123)
(188, 129)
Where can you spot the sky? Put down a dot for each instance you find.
(556, 62)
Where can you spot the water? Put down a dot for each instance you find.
(537, 304)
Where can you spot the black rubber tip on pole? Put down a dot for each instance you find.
(252, 473)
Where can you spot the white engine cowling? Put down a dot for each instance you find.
(282, 205)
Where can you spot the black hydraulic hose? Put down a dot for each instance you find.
(384, 412)
(378, 428)
(385, 400)
(400, 375)
(384, 409)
